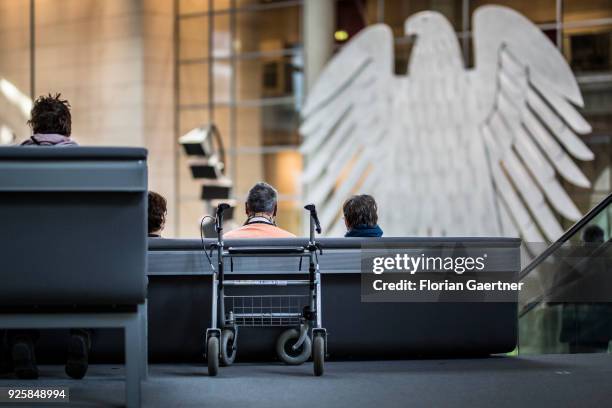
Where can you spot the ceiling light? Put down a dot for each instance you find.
(341, 35)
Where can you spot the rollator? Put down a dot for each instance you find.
(305, 336)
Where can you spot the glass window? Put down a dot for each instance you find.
(222, 79)
(599, 170)
(222, 37)
(192, 118)
(352, 16)
(254, 95)
(289, 216)
(268, 29)
(403, 48)
(586, 10)
(193, 38)
(222, 119)
(221, 4)
(267, 77)
(280, 168)
(585, 201)
(397, 11)
(261, 126)
(192, 6)
(588, 49)
(193, 88)
(538, 11)
(263, 3)
(199, 6)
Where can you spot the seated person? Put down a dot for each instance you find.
(51, 126)
(157, 214)
(261, 206)
(361, 217)
(51, 122)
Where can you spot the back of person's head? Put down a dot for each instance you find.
(51, 114)
(593, 233)
(360, 210)
(157, 212)
(261, 199)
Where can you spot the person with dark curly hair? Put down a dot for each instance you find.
(51, 122)
(157, 214)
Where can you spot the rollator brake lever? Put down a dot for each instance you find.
(315, 217)
(222, 207)
(219, 218)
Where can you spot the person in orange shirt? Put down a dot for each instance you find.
(260, 206)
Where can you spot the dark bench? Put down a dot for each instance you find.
(74, 244)
(180, 296)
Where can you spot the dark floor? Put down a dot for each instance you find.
(542, 381)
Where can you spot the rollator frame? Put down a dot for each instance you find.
(312, 337)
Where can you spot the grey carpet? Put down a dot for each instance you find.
(538, 381)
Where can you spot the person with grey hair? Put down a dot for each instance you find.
(260, 207)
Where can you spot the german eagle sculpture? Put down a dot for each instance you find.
(447, 150)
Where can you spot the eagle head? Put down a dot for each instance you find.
(426, 22)
(436, 44)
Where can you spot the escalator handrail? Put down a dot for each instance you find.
(594, 212)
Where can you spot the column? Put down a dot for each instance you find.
(319, 25)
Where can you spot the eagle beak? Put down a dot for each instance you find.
(409, 27)
(410, 34)
(408, 31)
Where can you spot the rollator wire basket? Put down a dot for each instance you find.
(266, 310)
(302, 312)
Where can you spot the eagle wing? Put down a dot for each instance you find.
(345, 112)
(530, 123)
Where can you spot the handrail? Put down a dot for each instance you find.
(539, 299)
(566, 235)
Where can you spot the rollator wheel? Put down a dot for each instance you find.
(318, 355)
(212, 355)
(284, 347)
(228, 352)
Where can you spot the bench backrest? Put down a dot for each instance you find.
(73, 226)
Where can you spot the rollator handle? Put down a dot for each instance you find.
(219, 220)
(222, 207)
(315, 217)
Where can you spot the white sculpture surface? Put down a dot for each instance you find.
(447, 150)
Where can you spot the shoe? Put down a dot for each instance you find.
(78, 356)
(24, 360)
